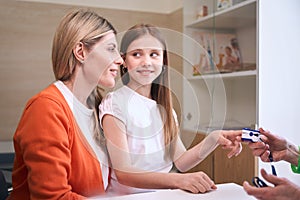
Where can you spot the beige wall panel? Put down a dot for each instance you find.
(26, 32)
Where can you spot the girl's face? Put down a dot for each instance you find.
(228, 51)
(102, 62)
(144, 60)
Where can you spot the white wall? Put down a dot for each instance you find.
(279, 71)
(26, 34)
(156, 6)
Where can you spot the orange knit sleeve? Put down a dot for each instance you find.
(44, 136)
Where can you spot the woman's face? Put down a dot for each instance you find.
(102, 62)
(144, 60)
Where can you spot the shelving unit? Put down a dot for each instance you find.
(220, 100)
(241, 14)
(214, 99)
(238, 74)
(244, 98)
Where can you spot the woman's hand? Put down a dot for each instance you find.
(197, 182)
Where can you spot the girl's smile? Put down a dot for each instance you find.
(144, 60)
(145, 72)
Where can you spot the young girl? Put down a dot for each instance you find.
(140, 124)
(57, 149)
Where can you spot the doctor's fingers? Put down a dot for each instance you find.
(254, 191)
(258, 148)
(275, 141)
(273, 179)
(266, 134)
(265, 156)
(258, 145)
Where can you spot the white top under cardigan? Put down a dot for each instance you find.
(84, 118)
(144, 131)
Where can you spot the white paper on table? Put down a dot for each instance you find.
(230, 191)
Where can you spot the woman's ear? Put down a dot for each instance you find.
(78, 52)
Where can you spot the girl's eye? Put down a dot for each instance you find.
(136, 54)
(154, 54)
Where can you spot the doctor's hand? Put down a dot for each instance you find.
(283, 189)
(281, 149)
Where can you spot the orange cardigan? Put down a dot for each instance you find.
(52, 157)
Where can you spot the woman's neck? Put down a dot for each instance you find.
(79, 91)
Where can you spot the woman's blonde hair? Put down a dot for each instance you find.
(78, 26)
(160, 88)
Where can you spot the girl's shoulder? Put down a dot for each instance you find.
(121, 94)
(114, 99)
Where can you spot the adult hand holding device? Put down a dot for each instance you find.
(284, 189)
(281, 148)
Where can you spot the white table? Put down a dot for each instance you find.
(230, 191)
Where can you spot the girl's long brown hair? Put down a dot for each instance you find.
(160, 88)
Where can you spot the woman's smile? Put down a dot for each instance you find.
(114, 72)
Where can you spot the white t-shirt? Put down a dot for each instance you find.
(84, 119)
(144, 132)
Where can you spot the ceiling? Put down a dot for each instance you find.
(156, 6)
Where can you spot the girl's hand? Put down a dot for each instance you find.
(197, 182)
(227, 139)
(230, 140)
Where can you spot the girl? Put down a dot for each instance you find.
(140, 124)
(57, 148)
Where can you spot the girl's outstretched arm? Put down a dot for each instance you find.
(227, 139)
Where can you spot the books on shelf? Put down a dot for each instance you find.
(223, 4)
(220, 53)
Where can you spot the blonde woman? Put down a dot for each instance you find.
(57, 142)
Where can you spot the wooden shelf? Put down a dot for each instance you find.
(239, 15)
(237, 74)
(232, 124)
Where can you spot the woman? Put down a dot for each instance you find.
(140, 124)
(58, 142)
